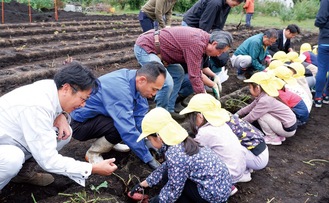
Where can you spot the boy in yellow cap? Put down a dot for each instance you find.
(275, 118)
(207, 121)
(187, 164)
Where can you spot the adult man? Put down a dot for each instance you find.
(27, 117)
(116, 111)
(250, 55)
(322, 84)
(156, 13)
(175, 45)
(283, 41)
(209, 14)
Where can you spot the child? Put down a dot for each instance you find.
(206, 120)
(276, 119)
(296, 104)
(303, 76)
(249, 6)
(253, 141)
(195, 174)
(292, 85)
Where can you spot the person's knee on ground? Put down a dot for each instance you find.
(10, 165)
(101, 145)
(28, 174)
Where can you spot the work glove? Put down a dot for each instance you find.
(137, 188)
(215, 90)
(268, 59)
(218, 82)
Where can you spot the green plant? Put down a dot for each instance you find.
(82, 196)
(306, 9)
(126, 183)
(96, 189)
(233, 105)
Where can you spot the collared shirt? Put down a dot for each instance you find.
(27, 115)
(119, 99)
(159, 10)
(204, 168)
(180, 45)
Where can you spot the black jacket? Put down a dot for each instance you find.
(207, 14)
(278, 45)
(322, 22)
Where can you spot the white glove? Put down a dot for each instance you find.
(218, 82)
(216, 91)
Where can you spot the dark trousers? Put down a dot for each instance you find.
(146, 22)
(190, 194)
(96, 127)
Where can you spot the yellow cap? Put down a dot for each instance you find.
(293, 57)
(280, 55)
(299, 68)
(209, 107)
(274, 64)
(159, 120)
(285, 74)
(269, 83)
(305, 47)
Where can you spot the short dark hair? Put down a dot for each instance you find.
(271, 33)
(152, 70)
(78, 76)
(293, 28)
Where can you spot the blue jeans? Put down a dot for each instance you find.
(186, 88)
(248, 19)
(166, 97)
(321, 84)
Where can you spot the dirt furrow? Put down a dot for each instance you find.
(47, 38)
(9, 33)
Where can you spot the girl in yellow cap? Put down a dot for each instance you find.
(275, 118)
(207, 121)
(195, 174)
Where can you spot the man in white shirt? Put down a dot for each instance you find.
(28, 116)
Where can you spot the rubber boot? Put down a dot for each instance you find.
(101, 145)
(27, 174)
(121, 148)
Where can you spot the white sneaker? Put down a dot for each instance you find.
(121, 147)
(272, 140)
(246, 177)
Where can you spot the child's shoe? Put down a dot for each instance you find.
(233, 190)
(282, 138)
(325, 99)
(317, 102)
(273, 140)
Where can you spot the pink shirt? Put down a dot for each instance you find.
(265, 104)
(180, 45)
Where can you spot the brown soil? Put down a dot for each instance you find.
(33, 51)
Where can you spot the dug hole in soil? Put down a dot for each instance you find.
(297, 171)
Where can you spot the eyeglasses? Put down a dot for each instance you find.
(75, 90)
